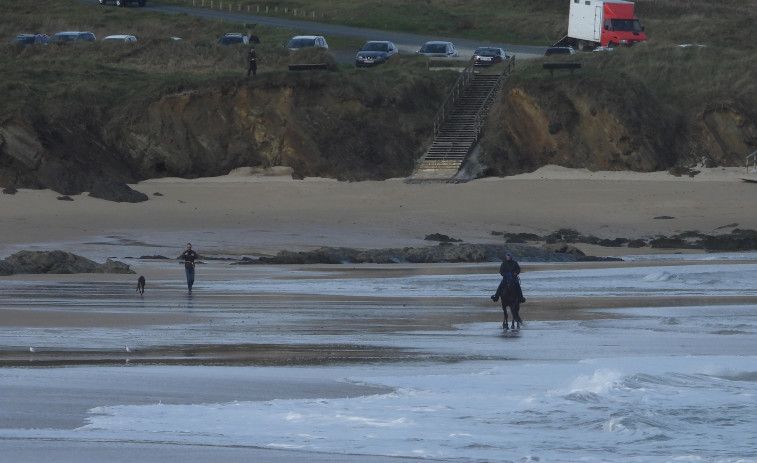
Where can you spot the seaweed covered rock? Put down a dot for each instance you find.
(57, 262)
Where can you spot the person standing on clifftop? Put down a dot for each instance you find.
(188, 257)
(252, 61)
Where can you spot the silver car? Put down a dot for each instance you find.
(437, 48)
(120, 38)
(305, 41)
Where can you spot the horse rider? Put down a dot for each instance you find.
(510, 267)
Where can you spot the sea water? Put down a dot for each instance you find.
(649, 384)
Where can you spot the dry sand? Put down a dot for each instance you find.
(248, 213)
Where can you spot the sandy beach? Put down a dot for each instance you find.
(265, 334)
(254, 213)
(247, 213)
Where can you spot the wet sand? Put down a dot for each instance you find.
(99, 343)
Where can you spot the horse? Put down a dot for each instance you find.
(507, 293)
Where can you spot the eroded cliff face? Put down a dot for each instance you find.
(578, 123)
(318, 126)
(327, 127)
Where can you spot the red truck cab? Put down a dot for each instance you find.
(620, 26)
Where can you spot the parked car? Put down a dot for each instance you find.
(374, 53)
(233, 38)
(124, 2)
(120, 38)
(488, 56)
(31, 39)
(559, 51)
(305, 41)
(73, 36)
(437, 48)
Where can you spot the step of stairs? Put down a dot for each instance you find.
(458, 133)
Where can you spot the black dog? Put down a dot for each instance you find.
(141, 285)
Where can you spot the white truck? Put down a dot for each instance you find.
(606, 23)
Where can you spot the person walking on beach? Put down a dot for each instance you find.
(188, 257)
(252, 61)
(511, 267)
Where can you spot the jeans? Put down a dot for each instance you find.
(190, 271)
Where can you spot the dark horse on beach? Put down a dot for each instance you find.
(508, 294)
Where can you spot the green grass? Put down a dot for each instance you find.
(97, 74)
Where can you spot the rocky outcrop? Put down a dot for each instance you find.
(443, 253)
(58, 262)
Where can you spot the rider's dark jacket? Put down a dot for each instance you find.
(509, 266)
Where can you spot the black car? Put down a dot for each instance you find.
(233, 39)
(73, 36)
(488, 56)
(31, 39)
(124, 2)
(559, 51)
(374, 53)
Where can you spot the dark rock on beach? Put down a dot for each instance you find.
(443, 253)
(57, 262)
(116, 191)
(441, 238)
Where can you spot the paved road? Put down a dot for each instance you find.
(407, 43)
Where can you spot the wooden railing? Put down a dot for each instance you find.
(457, 90)
(481, 114)
(751, 161)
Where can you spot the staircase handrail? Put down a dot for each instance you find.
(480, 115)
(753, 157)
(452, 97)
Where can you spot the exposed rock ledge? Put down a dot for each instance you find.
(443, 253)
(58, 262)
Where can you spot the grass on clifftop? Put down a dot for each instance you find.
(103, 74)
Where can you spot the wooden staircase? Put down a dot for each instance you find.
(458, 125)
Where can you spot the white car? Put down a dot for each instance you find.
(120, 38)
(437, 48)
(305, 41)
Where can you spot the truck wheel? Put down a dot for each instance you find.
(120, 2)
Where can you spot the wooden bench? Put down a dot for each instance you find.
(307, 67)
(552, 66)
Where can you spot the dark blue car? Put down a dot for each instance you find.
(374, 53)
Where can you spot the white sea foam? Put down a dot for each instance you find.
(651, 385)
